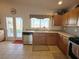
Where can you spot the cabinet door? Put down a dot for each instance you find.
(62, 44)
(78, 17)
(52, 38)
(78, 21)
(65, 43)
(35, 39)
(42, 39)
(39, 39)
(57, 20)
(65, 19)
(65, 40)
(62, 47)
(72, 20)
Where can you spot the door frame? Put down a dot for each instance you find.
(14, 28)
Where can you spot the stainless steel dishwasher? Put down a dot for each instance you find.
(27, 37)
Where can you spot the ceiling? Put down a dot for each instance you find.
(47, 4)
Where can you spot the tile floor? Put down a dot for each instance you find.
(19, 51)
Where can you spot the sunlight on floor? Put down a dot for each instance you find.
(19, 51)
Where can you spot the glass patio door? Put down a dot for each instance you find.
(19, 27)
(10, 28)
(14, 26)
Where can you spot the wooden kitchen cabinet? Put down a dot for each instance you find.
(78, 17)
(39, 39)
(65, 19)
(57, 20)
(45, 38)
(63, 44)
(71, 18)
(52, 38)
(78, 21)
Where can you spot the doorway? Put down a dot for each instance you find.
(14, 26)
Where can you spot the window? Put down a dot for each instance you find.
(40, 23)
(44, 23)
(35, 23)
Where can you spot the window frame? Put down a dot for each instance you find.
(40, 27)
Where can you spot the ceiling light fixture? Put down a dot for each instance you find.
(60, 2)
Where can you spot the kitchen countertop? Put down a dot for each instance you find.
(65, 34)
(59, 32)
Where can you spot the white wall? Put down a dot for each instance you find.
(22, 11)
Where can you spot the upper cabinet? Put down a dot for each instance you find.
(65, 19)
(71, 18)
(78, 22)
(78, 17)
(57, 20)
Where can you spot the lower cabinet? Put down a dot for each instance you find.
(63, 44)
(45, 38)
(51, 39)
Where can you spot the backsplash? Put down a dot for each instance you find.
(72, 30)
(52, 28)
